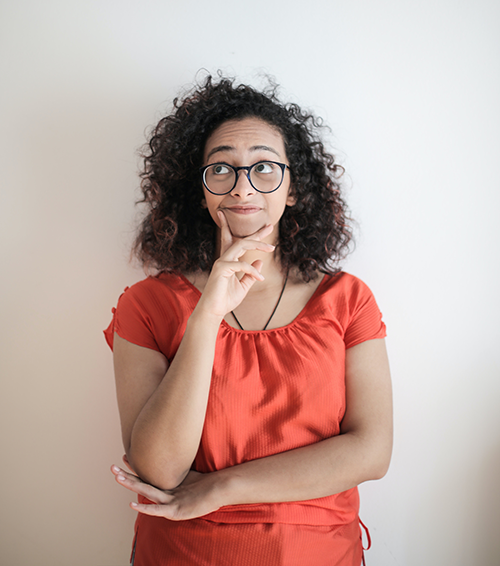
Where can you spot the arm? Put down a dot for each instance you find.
(162, 407)
(360, 453)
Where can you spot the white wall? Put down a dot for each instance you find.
(411, 90)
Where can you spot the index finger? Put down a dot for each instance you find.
(226, 237)
(262, 232)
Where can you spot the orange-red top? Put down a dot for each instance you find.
(271, 391)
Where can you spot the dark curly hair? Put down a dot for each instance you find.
(178, 234)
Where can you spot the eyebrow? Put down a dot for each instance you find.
(231, 148)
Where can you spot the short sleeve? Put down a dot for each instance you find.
(365, 318)
(131, 321)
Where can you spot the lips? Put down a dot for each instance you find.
(243, 209)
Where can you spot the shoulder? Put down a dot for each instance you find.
(151, 311)
(163, 287)
(157, 299)
(155, 284)
(350, 302)
(362, 319)
(344, 286)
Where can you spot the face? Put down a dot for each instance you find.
(243, 143)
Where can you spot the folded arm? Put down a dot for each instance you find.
(360, 453)
(162, 407)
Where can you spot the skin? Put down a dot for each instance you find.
(162, 407)
(241, 143)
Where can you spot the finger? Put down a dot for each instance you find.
(154, 510)
(135, 484)
(258, 264)
(262, 232)
(122, 474)
(229, 268)
(247, 280)
(124, 478)
(240, 247)
(127, 463)
(226, 237)
(117, 470)
(171, 512)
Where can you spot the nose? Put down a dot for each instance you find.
(243, 188)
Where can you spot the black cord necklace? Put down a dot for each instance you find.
(272, 314)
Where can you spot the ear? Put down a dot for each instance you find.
(291, 199)
(203, 203)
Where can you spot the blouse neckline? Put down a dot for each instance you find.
(269, 330)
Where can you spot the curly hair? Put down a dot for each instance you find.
(178, 234)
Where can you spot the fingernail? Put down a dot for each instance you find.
(116, 469)
(133, 504)
(121, 477)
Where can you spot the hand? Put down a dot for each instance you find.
(224, 290)
(196, 496)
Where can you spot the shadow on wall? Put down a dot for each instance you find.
(457, 519)
(485, 522)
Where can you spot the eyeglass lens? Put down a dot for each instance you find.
(265, 176)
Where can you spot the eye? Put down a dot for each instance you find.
(220, 169)
(265, 167)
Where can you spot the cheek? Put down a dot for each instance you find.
(276, 208)
(211, 203)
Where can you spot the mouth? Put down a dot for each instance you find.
(243, 209)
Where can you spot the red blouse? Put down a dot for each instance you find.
(271, 391)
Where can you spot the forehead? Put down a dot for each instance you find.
(248, 134)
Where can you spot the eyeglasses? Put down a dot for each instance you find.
(264, 176)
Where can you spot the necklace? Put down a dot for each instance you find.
(272, 314)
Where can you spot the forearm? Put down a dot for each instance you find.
(166, 434)
(360, 453)
(163, 413)
(325, 468)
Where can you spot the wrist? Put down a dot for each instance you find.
(229, 487)
(207, 320)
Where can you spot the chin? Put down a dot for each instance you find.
(241, 231)
(241, 234)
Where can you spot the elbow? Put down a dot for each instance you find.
(380, 462)
(380, 469)
(374, 469)
(375, 457)
(154, 472)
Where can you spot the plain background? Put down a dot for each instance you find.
(411, 91)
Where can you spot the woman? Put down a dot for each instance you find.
(252, 378)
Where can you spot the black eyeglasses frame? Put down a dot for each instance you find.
(248, 168)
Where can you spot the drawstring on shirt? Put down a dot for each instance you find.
(367, 536)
